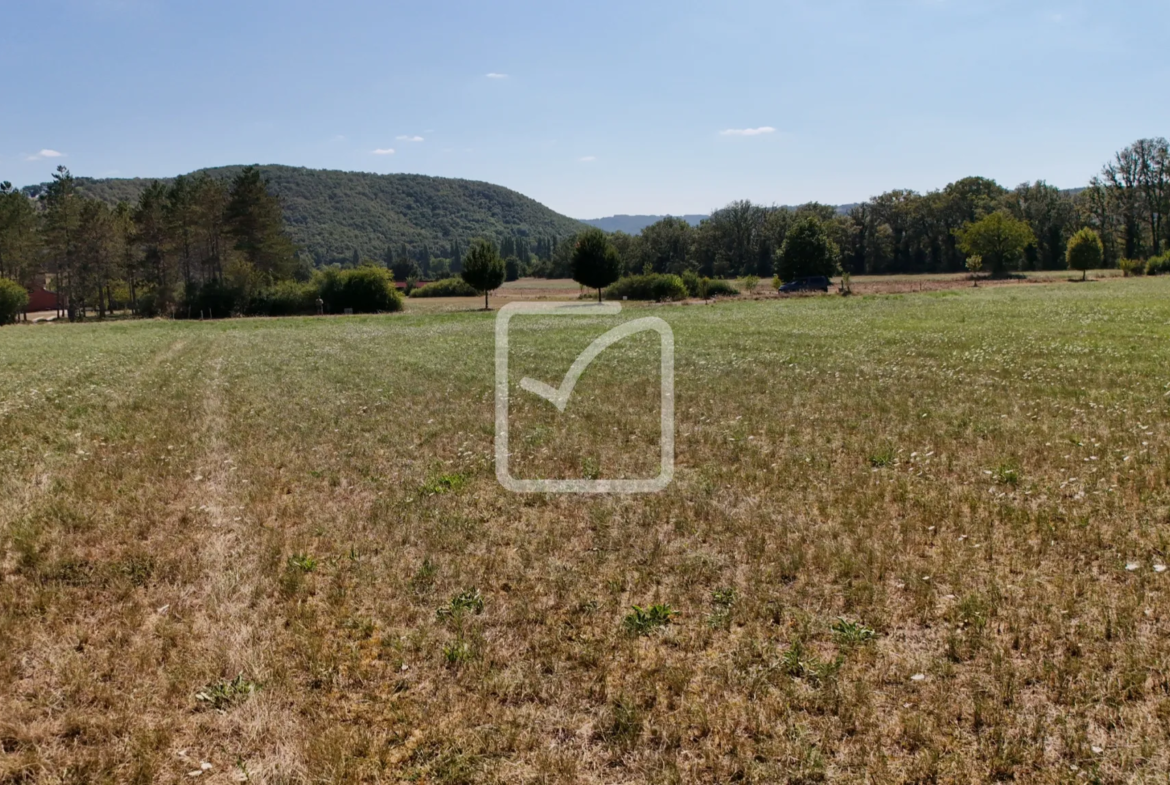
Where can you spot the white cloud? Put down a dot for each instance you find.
(494, 75)
(46, 154)
(340, 138)
(384, 151)
(765, 129)
(587, 159)
(407, 138)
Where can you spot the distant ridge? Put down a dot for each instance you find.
(331, 214)
(634, 224)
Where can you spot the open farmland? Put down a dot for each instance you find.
(911, 537)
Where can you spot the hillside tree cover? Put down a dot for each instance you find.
(330, 215)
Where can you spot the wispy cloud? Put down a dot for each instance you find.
(764, 129)
(46, 154)
(587, 159)
(340, 138)
(494, 75)
(407, 138)
(384, 151)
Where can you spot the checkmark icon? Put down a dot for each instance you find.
(559, 396)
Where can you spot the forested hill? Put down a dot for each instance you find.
(331, 214)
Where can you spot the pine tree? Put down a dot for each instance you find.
(256, 221)
(62, 220)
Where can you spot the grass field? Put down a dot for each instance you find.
(911, 538)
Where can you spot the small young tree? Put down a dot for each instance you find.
(1085, 252)
(595, 263)
(974, 266)
(13, 300)
(483, 269)
(807, 251)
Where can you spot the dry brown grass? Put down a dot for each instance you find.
(289, 503)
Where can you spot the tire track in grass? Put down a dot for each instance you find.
(233, 616)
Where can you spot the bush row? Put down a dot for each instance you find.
(447, 287)
(1159, 265)
(661, 287)
(362, 290)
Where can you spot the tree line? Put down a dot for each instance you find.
(906, 232)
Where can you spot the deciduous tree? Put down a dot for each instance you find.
(807, 251)
(1085, 252)
(999, 239)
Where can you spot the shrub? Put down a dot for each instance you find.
(150, 304)
(213, 300)
(13, 300)
(287, 298)
(364, 289)
(1130, 267)
(655, 286)
(1159, 265)
(448, 287)
(717, 287)
(692, 281)
(749, 283)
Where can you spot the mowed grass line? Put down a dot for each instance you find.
(911, 537)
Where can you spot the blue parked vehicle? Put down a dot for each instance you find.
(817, 283)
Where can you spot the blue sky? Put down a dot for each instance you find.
(592, 108)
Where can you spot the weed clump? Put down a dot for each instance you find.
(222, 695)
(462, 603)
(643, 621)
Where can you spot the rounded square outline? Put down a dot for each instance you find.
(582, 486)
